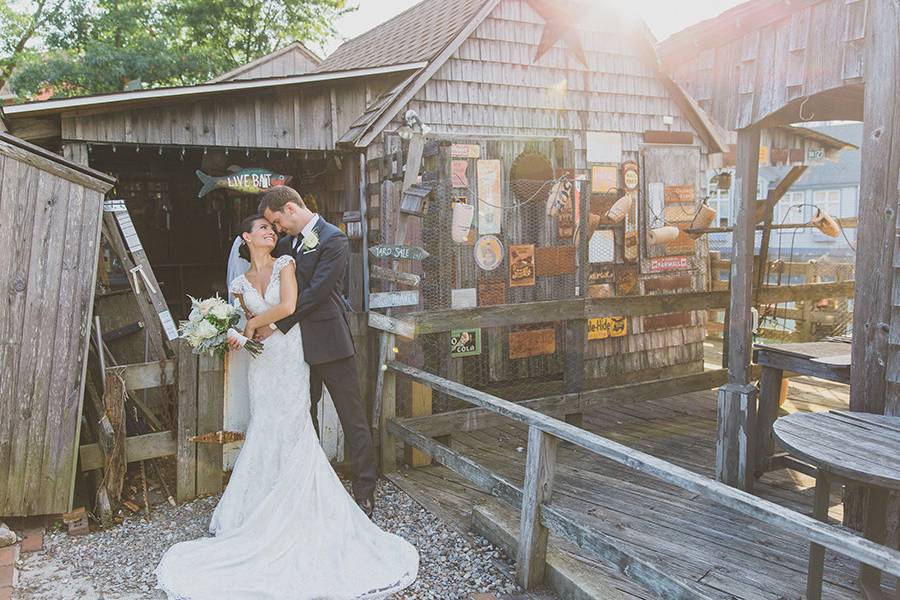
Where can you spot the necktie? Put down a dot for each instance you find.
(296, 246)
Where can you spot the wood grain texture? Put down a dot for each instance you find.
(540, 468)
(48, 267)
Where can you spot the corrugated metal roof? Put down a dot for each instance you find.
(417, 34)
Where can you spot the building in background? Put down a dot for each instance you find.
(832, 186)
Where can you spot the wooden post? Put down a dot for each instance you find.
(767, 411)
(573, 368)
(387, 443)
(210, 418)
(186, 455)
(878, 218)
(420, 407)
(736, 419)
(540, 465)
(817, 552)
(739, 337)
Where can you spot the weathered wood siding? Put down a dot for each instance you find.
(310, 118)
(292, 62)
(741, 73)
(49, 236)
(491, 85)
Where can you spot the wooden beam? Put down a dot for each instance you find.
(773, 197)
(391, 325)
(736, 435)
(139, 447)
(210, 418)
(839, 540)
(438, 321)
(562, 405)
(740, 341)
(143, 376)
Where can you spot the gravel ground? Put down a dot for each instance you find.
(118, 563)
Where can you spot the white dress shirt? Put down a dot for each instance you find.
(304, 232)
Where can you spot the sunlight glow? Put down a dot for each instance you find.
(664, 17)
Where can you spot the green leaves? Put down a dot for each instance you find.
(94, 46)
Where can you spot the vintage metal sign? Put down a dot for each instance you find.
(521, 265)
(246, 181)
(669, 263)
(465, 151)
(399, 252)
(630, 178)
(490, 197)
(465, 342)
(607, 327)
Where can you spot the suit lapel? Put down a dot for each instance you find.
(306, 261)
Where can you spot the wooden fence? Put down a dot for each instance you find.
(800, 320)
(539, 516)
(199, 385)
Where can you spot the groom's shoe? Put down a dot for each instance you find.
(367, 505)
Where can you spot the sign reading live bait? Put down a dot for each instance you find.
(246, 181)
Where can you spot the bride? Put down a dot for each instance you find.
(285, 527)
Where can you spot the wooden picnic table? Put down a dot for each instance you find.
(858, 447)
(826, 360)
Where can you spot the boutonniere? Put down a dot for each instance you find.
(310, 242)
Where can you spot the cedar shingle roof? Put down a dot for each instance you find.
(415, 35)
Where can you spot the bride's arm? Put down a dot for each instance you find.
(286, 305)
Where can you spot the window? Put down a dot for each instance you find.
(720, 201)
(790, 210)
(829, 201)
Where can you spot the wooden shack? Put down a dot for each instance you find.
(766, 64)
(49, 240)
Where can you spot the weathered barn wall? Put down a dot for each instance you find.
(310, 118)
(292, 60)
(745, 68)
(492, 86)
(49, 238)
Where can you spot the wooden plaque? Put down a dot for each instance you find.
(523, 344)
(521, 265)
(601, 274)
(554, 260)
(669, 321)
(668, 284)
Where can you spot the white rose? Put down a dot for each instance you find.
(221, 311)
(207, 305)
(206, 330)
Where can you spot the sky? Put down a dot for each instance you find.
(664, 17)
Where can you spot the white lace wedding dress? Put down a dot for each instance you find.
(285, 528)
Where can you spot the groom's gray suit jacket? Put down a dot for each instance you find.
(321, 311)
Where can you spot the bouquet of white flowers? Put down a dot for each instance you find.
(211, 324)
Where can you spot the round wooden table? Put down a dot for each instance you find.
(856, 447)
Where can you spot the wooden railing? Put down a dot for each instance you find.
(539, 516)
(807, 317)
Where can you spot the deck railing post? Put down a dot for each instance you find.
(388, 411)
(186, 453)
(540, 465)
(736, 439)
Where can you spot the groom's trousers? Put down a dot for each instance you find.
(342, 381)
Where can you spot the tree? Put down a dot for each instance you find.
(19, 26)
(103, 45)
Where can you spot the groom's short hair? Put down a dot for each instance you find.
(275, 199)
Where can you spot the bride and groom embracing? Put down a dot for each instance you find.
(285, 527)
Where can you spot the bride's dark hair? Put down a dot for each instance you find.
(246, 226)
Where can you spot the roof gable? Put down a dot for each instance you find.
(293, 59)
(417, 34)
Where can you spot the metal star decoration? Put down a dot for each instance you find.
(560, 25)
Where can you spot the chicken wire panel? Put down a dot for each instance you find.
(494, 238)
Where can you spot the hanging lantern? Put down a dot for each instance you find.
(703, 218)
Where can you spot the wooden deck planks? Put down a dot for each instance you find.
(723, 552)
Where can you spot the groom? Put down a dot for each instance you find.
(320, 252)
